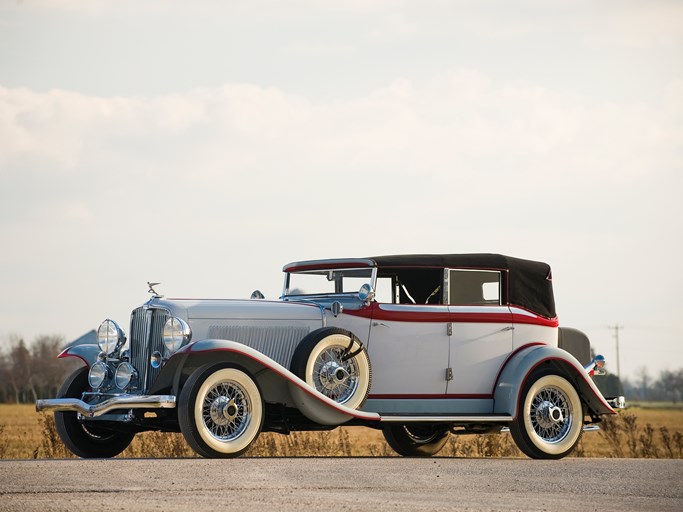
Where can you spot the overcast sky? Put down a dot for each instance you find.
(206, 144)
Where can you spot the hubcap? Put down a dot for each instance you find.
(551, 416)
(335, 378)
(226, 411)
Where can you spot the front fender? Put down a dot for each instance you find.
(529, 358)
(87, 353)
(276, 381)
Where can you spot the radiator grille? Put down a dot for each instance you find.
(146, 328)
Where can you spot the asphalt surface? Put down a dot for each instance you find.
(342, 484)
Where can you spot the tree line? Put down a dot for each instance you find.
(32, 371)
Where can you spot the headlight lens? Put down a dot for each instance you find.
(98, 374)
(176, 334)
(125, 376)
(110, 337)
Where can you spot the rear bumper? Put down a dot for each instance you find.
(618, 402)
(116, 402)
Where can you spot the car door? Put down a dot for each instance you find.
(480, 330)
(408, 347)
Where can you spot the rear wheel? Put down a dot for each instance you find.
(84, 438)
(416, 440)
(549, 419)
(220, 410)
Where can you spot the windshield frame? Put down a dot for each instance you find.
(286, 295)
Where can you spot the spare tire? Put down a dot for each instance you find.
(334, 362)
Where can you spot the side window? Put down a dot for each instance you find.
(385, 291)
(472, 287)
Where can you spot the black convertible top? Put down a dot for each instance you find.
(529, 283)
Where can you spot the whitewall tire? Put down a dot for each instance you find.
(549, 421)
(335, 363)
(220, 410)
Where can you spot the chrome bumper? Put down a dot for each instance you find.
(618, 402)
(116, 402)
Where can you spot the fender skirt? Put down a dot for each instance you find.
(522, 364)
(313, 404)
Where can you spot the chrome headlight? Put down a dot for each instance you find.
(176, 334)
(125, 376)
(98, 374)
(110, 337)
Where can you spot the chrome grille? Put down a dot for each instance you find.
(146, 328)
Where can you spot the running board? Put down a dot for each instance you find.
(445, 419)
(586, 428)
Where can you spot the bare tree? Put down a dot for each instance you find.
(670, 384)
(48, 371)
(644, 382)
(19, 368)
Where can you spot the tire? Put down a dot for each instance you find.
(220, 410)
(86, 440)
(416, 440)
(321, 359)
(549, 420)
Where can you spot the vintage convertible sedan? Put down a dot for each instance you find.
(419, 346)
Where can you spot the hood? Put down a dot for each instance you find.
(226, 309)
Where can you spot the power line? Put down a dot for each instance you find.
(617, 328)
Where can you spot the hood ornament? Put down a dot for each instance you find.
(153, 291)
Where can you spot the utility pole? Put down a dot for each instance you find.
(617, 328)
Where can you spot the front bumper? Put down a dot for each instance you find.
(116, 402)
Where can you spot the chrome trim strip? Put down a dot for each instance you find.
(117, 402)
(445, 419)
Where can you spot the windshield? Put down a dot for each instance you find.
(327, 281)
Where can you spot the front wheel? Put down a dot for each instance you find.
(86, 440)
(549, 420)
(220, 410)
(416, 440)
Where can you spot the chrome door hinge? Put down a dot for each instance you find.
(449, 328)
(449, 373)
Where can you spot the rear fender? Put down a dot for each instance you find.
(277, 383)
(532, 357)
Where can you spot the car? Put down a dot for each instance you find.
(420, 346)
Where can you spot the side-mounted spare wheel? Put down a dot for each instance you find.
(220, 410)
(84, 439)
(334, 362)
(549, 418)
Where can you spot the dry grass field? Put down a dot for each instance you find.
(636, 432)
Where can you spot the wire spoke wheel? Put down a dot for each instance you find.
(551, 415)
(220, 410)
(335, 378)
(81, 437)
(549, 422)
(415, 440)
(335, 363)
(226, 411)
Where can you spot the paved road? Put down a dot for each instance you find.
(342, 484)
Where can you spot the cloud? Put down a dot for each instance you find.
(461, 120)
